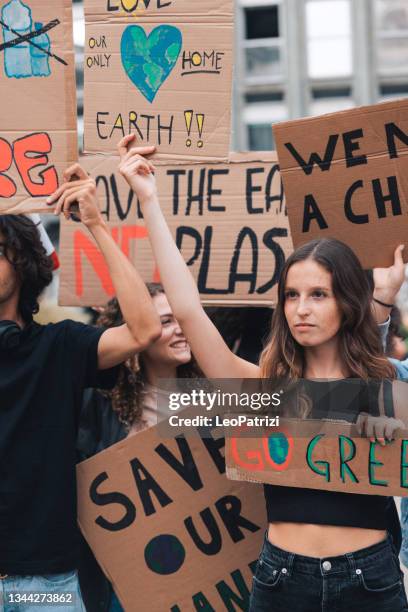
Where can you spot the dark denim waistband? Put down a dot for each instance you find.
(350, 562)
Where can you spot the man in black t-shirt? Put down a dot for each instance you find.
(43, 372)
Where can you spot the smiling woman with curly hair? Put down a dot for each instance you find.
(167, 357)
(110, 416)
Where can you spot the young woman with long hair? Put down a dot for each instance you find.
(110, 416)
(323, 550)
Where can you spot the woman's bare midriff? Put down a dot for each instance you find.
(322, 540)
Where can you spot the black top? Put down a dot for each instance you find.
(335, 400)
(41, 385)
(99, 428)
(99, 425)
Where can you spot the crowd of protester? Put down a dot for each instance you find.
(69, 390)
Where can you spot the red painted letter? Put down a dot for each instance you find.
(7, 186)
(29, 153)
(83, 244)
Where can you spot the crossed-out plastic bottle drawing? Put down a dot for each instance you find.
(23, 59)
(40, 60)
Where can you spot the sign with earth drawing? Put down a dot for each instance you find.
(161, 69)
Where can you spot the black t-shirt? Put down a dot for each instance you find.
(41, 386)
(99, 425)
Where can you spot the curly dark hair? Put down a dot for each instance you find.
(128, 395)
(24, 250)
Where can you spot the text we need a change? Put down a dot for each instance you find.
(345, 176)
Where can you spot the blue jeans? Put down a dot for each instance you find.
(404, 527)
(56, 592)
(368, 580)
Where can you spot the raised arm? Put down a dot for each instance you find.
(142, 323)
(213, 356)
(387, 283)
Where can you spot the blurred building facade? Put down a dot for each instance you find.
(296, 58)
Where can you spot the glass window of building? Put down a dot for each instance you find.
(392, 36)
(330, 100)
(390, 91)
(259, 116)
(329, 38)
(262, 41)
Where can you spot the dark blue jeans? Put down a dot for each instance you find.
(368, 580)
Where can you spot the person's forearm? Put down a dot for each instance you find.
(387, 283)
(382, 312)
(383, 327)
(178, 283)
(135, 303)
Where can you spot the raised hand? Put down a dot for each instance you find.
(78, 189)
(136, 169)
(388, 281)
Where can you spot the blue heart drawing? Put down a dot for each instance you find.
(148, 60)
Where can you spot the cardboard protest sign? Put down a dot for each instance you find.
(161, 69)
(229, 221)
(320, 455)
(38, 138)
(163, 511)
(346, 176)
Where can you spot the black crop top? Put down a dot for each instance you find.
(335, 400)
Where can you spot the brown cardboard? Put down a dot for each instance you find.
(129, 496)
(249, 459)
(250, 182)
(183, 104)
(360, 153)
(38, 137)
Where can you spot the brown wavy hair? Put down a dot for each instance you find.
(25, 252)
(128, 395)
(360, 344)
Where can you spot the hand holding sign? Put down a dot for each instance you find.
(81, 191)
(381, 428)
(136, 169)
(388, 281)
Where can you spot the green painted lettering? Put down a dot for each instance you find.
(345, 457)
(372, 464)
(314, 465)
